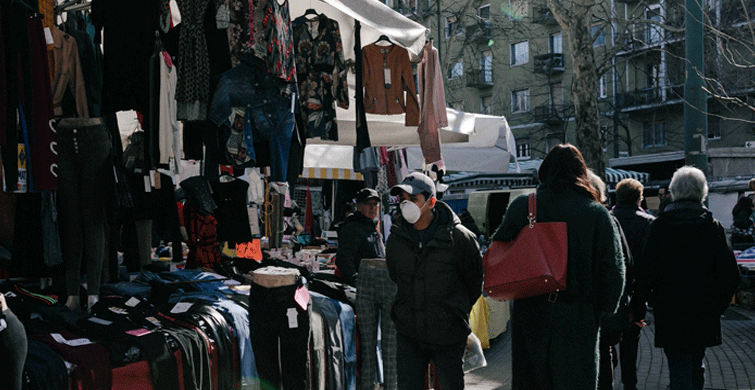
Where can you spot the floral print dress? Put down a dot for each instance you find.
(321, 72)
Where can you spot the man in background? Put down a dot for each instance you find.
(358, 236)
(635, 223)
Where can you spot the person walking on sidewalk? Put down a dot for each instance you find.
(554, 338)
(688, 275)
(635, 223)
(437, 265)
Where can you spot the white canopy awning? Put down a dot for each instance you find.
(489, 148)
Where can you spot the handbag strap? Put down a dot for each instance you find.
(532, 216)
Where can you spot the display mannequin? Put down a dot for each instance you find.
(83, 149)
(278, 322)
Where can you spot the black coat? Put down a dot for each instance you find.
(635, 224)
(689, 276)
(438, 282)
(358, 238)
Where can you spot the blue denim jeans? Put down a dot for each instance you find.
(686, 368)
(267, 107)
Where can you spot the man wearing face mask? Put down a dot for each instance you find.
(436, 264)
(358, 237)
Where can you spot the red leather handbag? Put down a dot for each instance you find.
(531, 265)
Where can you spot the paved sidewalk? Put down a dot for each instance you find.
(728, 366)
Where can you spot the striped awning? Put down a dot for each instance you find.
(614, 175)
(331, 173)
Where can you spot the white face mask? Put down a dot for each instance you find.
(410, 211)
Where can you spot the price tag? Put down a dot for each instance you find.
(181, 307)
(74, 343)
(154, 321)
(138, 332)
(48, 36)
(100, 321)
(132, 302)
(293, 321)
(249, 250)
(147, 185)
(301, 296)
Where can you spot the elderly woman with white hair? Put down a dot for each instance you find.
(688, 276)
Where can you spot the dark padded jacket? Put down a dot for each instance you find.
(358, 239)
(635, 223)
(688, 275)
(438, 282)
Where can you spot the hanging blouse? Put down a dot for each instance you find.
(238, 29)
(321, 73)
(193, 65)
(280, 49)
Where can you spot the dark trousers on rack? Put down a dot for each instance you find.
(278, 323)
(375, 294)
(83, 152)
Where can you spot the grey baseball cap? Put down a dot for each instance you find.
(415, 183)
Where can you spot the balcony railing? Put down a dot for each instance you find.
(480, 78)
(549, 63)
(543, 15)
(650, 96)
(480, 32)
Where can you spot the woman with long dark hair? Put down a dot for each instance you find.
(555, 337)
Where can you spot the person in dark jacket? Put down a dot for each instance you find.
(358, 237)
(437, 266)
(635, 223)
(554, 338)
(688, 275)
(665, 197)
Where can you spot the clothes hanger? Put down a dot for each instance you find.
(311, 11)
(384, 38)
(34, 10)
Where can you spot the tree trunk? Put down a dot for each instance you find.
(575, 22)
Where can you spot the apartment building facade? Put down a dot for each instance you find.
(510, 58)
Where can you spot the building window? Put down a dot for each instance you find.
(457, 105)
(457, 70)
(603, 86)
(520, 53)
(653, 134)
(486, 104)
(600, 39)
(519, 8)
(452, 26)
(486, 66)
(714, 127)
(654, 31)
(484, 12)
(523, 148)
(556, 97)
(520, 101)
(554, 139)
(556, 43)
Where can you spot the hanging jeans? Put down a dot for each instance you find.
(278, 323)
(83, 150)
(255, 109)
(375, 294)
